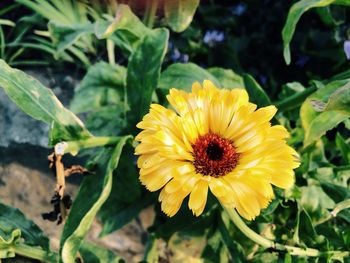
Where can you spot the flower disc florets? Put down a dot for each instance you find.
(215, 139)
(214, 156)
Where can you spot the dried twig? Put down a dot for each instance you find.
(60, 201)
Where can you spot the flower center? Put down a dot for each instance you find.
(214, 155)
(214, 151)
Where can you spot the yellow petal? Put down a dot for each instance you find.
(239, 119)
(190, 128)
(177, 99)
(171, 203)
(200, 119)
(247, 200)
(283, 179)
(198, 197)
(173, 186)
(264, 114)
(157, 178)
(278, 131)
(222, 190)
(210, 88)
(196, 87)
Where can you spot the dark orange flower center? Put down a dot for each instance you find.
(214, 155)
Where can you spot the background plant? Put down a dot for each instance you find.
(126, 64)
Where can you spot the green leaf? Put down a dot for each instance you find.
(101, 94)
(215, 251)
(96, 254)
(63, 12)
(256, 92)
(227, 78)
(144, 71)
(294, 14)
(326, 16)
(344, 147)
(179, 13)
(93, 192)
(340, 100)
(314, 199)
(8, 242)
(124, 19)
(182, 76)
(316, 123)
(151, 254)
(12, 219)
(107, 120)
(342, 2)
(102, 85)
(126, 199)
(40, 103)
(185, 222)
(125, 29)
(294, 100)
(7, 22)
(304, 230)
(224, 226)
(64, 36)
(20, 236)
(116, 216)
(333, 16)
(271, 208)
(322, 123)
(337, 192)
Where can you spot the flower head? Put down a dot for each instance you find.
(347, 49)
(215, 139)
(212, 37)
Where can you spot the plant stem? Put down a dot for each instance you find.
(296, 251)
(110, 52)
(340, 206)
(150, 13)
(295, 100)
(35, 253)
(73, 147)
(237, 220)
(342, 168)
(337, 208)
(151, 252)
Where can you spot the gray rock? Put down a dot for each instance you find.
(16, 126)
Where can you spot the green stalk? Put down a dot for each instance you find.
(295, 100)
(34, 253)
(110, 52)
(237, 220)
(262, 241)
(341, 168)
(73, 147)
(340, 207)
(337, 208)
(150, 13)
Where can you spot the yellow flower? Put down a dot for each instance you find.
(216, 139)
